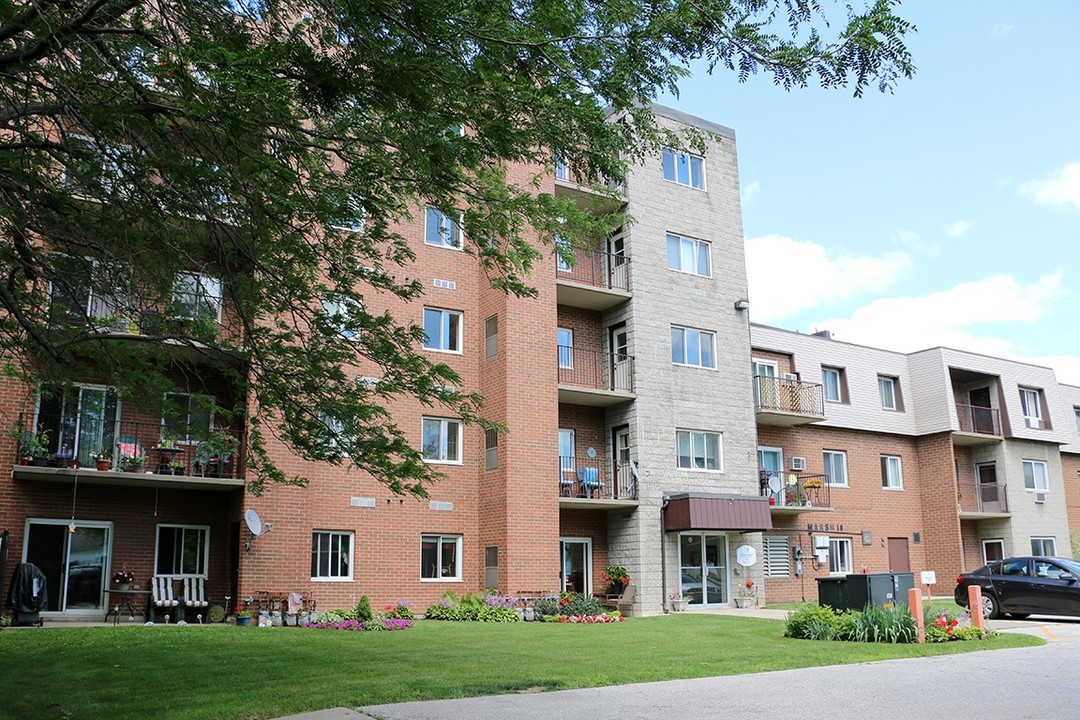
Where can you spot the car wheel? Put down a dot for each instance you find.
(1019, 616)
(991, 611)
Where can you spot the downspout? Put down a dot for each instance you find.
(663, 556)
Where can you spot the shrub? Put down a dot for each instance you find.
(484, 607)
(571, 603)
(893, 624)
(362, 611)
(812, 622)
(546, 607)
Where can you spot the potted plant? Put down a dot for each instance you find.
(616, 577)
(243, 617)
(123, 579)
(33, 446)
(103, 461)
(133, 464)
(679, 602)
(747, 595)
(177, 468)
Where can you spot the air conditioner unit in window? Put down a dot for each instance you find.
(798, 463)
(1040, 497)
(790, 376)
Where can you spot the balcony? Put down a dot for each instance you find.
(795, 494)
(978, 425)
(595, 378)
(133, 453)
(586, 482)
(570, 183)
(984, 501)
(596, 281)
(782, 402)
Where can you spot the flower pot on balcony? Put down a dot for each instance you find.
(102, 465)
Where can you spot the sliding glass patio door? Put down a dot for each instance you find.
(75, 563)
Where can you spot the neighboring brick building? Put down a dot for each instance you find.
(935, 460)
(629, 439)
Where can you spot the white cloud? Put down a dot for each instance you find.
(913, 241)
(1002, 29)
(950, 318)
(788, 276)
(957, 229)
(750, 191)
(1062, 188)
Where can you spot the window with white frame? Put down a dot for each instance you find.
(776, 554)
(891, 473)
(343, 314)
(839, 556)
(567, 453)
(888, 387)
(564, 254)
(832, 383)
(683, 168)
(197, 297)
(350, 215)
(566, 348)
(1035, 477)
(442, 330)
(182, 550)
(699, 450)
(1045, 546)
(186, 417)
(835, 467)
(1031, 403)
(441, 440)
(441, 229)
(95, 169)
(688, 255)
(1076, 412)
(440, 557)
(331, 555)
(693, 347)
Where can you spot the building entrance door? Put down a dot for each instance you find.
(576, 574)
(703, 569)
(74, 563)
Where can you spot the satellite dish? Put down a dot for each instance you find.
(591, 452)
(774, 483)
(253, 522)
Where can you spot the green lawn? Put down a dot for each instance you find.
(236, 673)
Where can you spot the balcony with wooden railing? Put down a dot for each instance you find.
(783, 402)
(795, 493)
(596, 280)
(978, 425)
(588, 482)
(594, 377)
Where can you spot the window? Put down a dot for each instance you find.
(1045, 546)
(350, 216)
(891, 475)
(335, 433)
(564, 254)
(331, 555)
(186, 417)
(683, 168)
(95, 170)
(698, 450)
(776, 554)
(491, 449)
(343, 314)
(439, 557)
(182, 550)
(197, 297)
(889, 389)
(442, 230)
(491, 336)
(1076, 412)
(442, 330)
(75, 293)
(1031, 402)
(566, 348)
(688, 255)
(832, 380)
(839, 556)
(1035, 477)
(835, 468)
(692, 347)
(442, 440)
(567, 452)
(562, 170)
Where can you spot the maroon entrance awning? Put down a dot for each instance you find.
(717, 512)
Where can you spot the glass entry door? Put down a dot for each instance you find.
(75, 563)
(703, 568)
(576, 573)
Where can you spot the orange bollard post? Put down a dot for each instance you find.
(975, 605)
(915, 607)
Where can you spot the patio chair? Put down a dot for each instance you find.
(566, 484)
(195, 596)
(625, 602)
(128, 449)
(162, 596)
(590, 481)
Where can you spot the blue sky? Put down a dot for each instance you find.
(945, 213)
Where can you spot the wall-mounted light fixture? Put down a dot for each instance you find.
(742, 304)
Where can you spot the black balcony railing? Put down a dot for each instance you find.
(807, 490)
(789, 396)
(985, 497)
(597, 268)
(101, 440)
(595, 369)
(596, 479)
(980, 420)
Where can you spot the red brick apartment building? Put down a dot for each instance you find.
(629, 439)
(938, 460)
